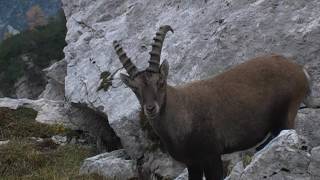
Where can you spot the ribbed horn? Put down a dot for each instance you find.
(126, 62)
(155, 53)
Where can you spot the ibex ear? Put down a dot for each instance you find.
(126, 80)
(164, 68)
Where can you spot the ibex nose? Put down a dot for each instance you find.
(151, 108)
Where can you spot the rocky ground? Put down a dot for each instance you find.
(210, 37)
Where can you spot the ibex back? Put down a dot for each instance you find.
(199, 121)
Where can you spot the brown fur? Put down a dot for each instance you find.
(230, 112)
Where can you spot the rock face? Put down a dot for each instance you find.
(308, 125)
(32, 83)
(55, 74)
(286, 157)
(210, 37)
(313, 68)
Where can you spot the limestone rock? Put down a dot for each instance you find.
(161, 166)
(314, 167)
(55, 75)
(58, 139)
(32, 83)
(183, 175)
(286, 157)
(4, 142)
(313, 68)
(50, 112)
(308, 125)
(113, 165)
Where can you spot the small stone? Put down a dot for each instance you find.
(113, 165)
(61, 140)
(4, 142)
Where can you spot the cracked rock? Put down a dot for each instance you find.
(113, 165)
(283, 159)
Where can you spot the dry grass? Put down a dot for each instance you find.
(26, 158)
(21, 123)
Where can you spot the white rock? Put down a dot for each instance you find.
(12, 30)
(58, 139)
(4, 142)
(50, 112)
(308, 125)
(114, 165)
(55, 77)
(314, 167)
(284, 158)
(183, 175)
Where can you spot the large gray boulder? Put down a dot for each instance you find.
(114, 165)
(287, 157)
(55, 75)
(210, 37)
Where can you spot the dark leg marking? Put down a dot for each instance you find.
(213, 169)
(195, 172)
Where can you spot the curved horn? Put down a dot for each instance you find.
(126, 62)
(155, 53)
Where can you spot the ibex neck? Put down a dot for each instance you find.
(168, 122)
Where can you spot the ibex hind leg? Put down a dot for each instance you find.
(195, 172)
(284, 119)
(213, 169)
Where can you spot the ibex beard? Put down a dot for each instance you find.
(199, 121)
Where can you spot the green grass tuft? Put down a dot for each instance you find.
(21, 123)
(25, 159)
(28, 158)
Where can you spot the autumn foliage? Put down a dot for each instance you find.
(35, 17)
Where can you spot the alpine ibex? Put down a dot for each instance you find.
(233, 111)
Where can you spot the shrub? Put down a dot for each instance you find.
(43, 44)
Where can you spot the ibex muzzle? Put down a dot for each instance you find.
(201, 120)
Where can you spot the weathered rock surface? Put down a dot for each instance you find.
(49, 111)
(55, 81)
(26, 88)
(4, 142)
(313, 68)
(308, 125)
(113, 165)
(58, 139)
(159, 165)
(210, 36)
(314, 167)
(32, 83)
(286, 157)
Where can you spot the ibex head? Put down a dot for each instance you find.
(149, 85)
